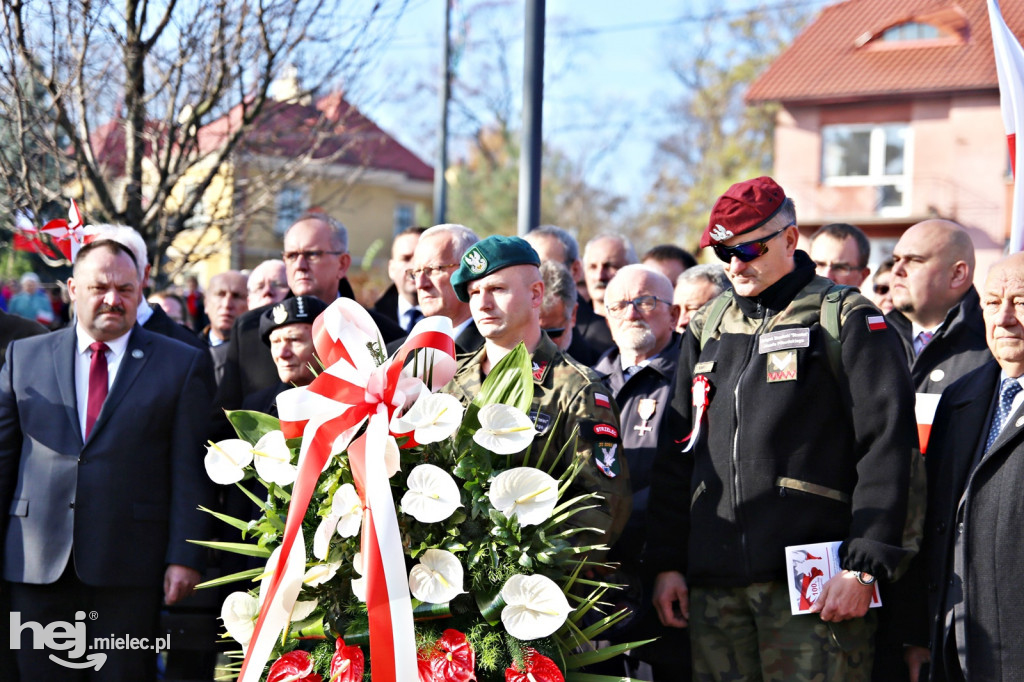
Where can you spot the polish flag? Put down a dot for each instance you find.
(1010, 68)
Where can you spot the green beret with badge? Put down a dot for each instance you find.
(294, 310)
(490, 255)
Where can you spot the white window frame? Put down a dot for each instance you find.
(301, 195)
(876, 176)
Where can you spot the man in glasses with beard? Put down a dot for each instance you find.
(792, 423)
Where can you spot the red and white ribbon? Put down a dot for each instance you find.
(69, 235)
(328, 413)
(701, 388)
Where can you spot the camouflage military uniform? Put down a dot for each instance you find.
(566, 395)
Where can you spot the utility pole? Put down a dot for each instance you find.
(533, 106)
(441, 164)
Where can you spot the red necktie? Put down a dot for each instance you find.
(97, 384)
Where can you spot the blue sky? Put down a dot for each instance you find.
(607, 75)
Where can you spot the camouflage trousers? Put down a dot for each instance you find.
(747, 634)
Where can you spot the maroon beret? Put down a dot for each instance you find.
(744, 207)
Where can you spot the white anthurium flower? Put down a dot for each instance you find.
(504, 430)
(239, 612)
(358, 584)
(303, 610)
(345, 518)
(273, 459)
(432, 418)
(525, 492)
(348, 509)
(437, 578)
(535, 606)
(318, 574)
(226, 459)
(433, 494)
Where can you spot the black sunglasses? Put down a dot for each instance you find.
(881, 289)
(554, 333)
(747, 251)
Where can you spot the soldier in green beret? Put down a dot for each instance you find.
(500, 278)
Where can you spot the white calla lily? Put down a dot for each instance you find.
(358, 584)
(392, 457)
(273, 459)
(535, 606)
(239, 612)
(348, 509)
(322, 537)
(318, 574)
(525, 492)
(432, 418)
(226, 459)
(504, 430)
(433, 494)
(437, 578)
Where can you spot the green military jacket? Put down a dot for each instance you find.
(567, 394)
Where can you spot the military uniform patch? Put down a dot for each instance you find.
(541, 421)
(538, 370)
(781, 366)
(704, 367)
(475, 261)
(607, 460)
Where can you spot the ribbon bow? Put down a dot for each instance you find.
(352, 390)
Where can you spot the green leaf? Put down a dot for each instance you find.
(251, 426)
(232, 578)
(230, 520)
(509, 382)
(235, 548)
(490, 604)
(591, 657)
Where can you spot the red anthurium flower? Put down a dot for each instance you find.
(538, 668)
(347, 664)
(294, 666)
(426, 673)
(451, 660)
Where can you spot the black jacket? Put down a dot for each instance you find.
(387, 304)
(641, 439)
(972, 551)
(957, 348)
(796, 456)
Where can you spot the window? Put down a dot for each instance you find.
(405, 214)
(199, 217)
(290, 203)
(869, 155)
(911, 30)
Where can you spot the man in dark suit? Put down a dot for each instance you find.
(316, 261)
(398, 302)
(972, 557)
(436, 257)
(101, 477)
(13, 327)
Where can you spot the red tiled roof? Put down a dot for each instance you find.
(838, 58)
(332, 128)
(337, 129)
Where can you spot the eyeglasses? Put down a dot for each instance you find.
(431, 271)
(554, 333)
(643, 305)
(881, 289)
(838, 268)
(747, 251)
(311, 256)
(267, 284)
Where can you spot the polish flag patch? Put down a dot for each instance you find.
(601, 400)
(876, 323)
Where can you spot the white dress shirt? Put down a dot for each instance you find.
(83, 357)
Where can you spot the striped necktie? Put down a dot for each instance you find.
(1007, 391)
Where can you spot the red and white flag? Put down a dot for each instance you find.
(1010, 67)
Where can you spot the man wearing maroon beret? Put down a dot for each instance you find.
(793, 415)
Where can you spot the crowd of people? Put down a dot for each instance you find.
(723, 413)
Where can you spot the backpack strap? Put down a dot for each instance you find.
(831, 323)
(714, 318)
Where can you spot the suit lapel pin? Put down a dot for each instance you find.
(137, 354)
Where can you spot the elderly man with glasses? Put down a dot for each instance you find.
(792, 423)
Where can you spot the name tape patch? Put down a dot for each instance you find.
(783, 340)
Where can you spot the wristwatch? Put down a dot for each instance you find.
(865, 578)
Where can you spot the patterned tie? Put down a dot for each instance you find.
(97, 384)
(922, 340)
(1009, 389)
(414, 315)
